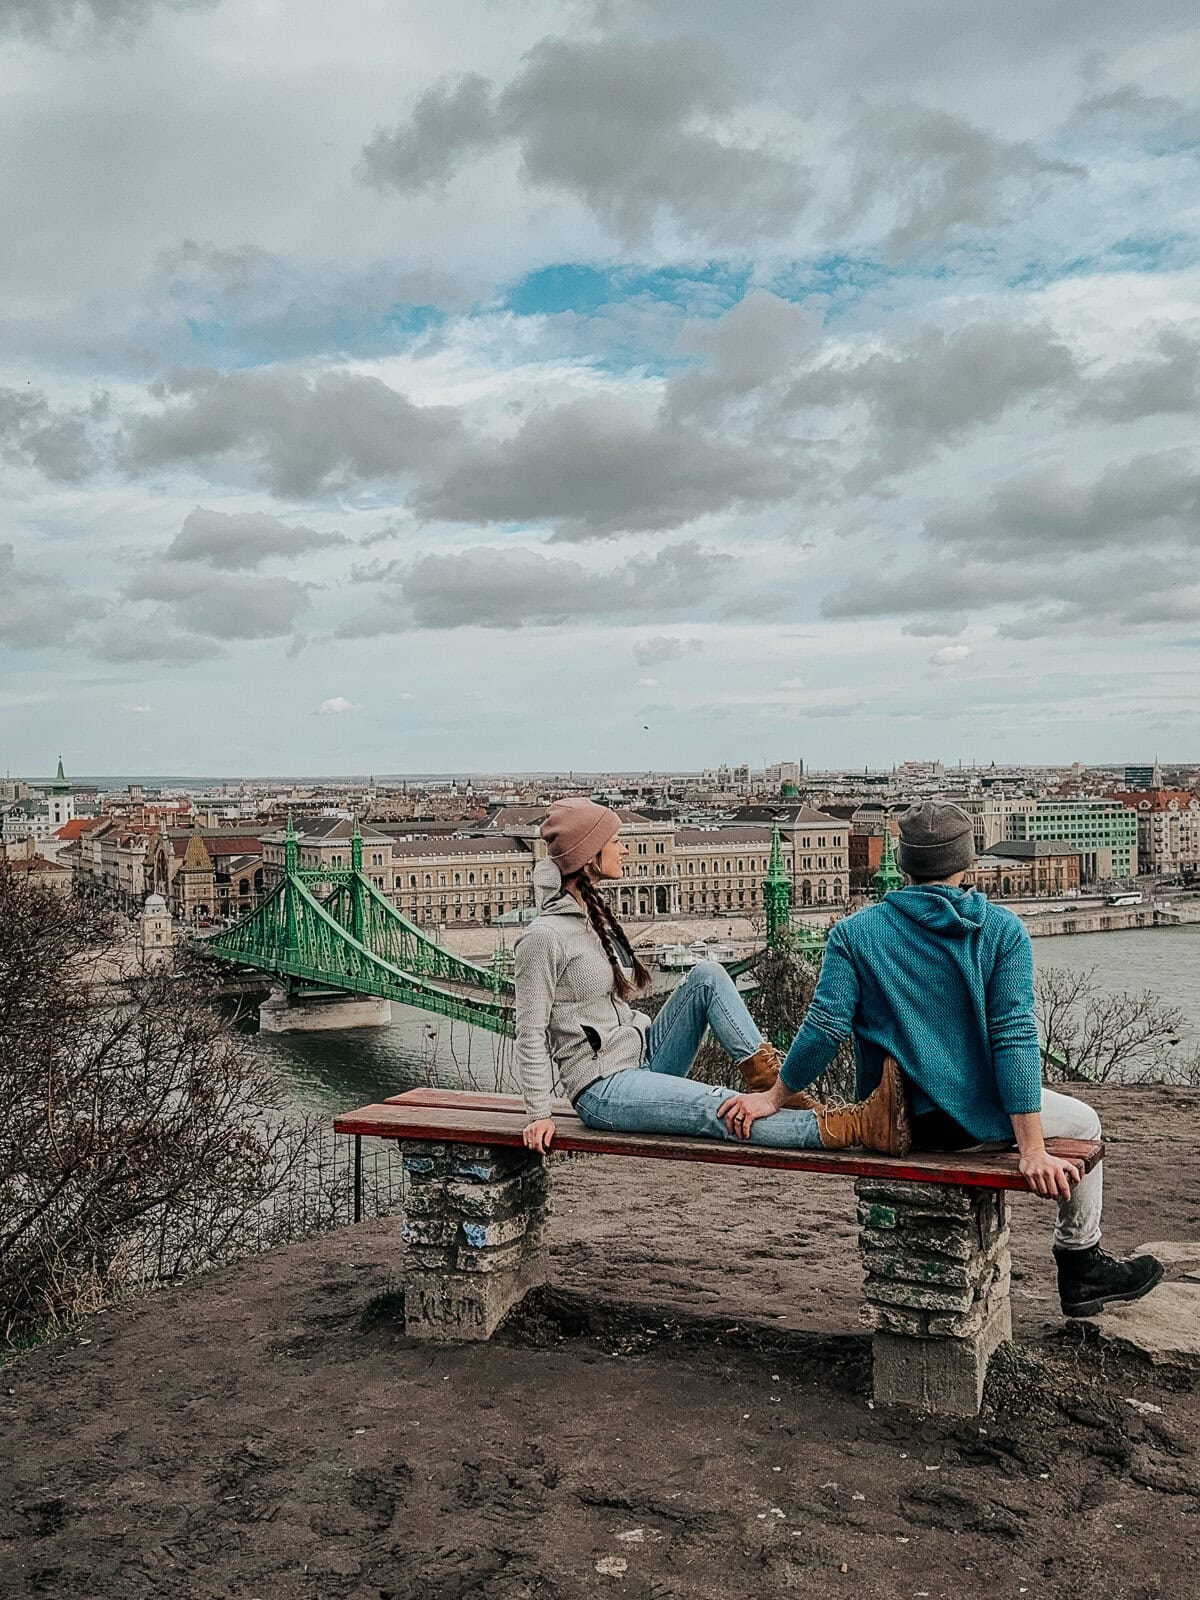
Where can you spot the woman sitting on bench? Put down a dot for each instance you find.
(575, 975)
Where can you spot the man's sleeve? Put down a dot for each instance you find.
(535, 977)
(829, 1021)
(1012, 1031)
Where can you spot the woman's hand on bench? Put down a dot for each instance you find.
(741, 1111)
(539, 1135)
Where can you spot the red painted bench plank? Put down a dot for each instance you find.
(447, 1116)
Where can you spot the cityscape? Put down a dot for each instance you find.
(457, 853)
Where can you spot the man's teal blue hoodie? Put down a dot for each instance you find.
(942, 980)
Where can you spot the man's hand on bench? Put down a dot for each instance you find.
(1053, 1177)
(539, 1135)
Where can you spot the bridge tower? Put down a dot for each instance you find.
(357, 917)
(291, 872)
(889, 876)
(777, 894)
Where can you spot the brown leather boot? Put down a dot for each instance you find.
(761, 1071)
(881, 1122)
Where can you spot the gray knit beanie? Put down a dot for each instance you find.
(936, 840)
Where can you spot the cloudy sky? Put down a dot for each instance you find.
(394, 386)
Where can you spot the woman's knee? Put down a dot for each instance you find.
(709, 973)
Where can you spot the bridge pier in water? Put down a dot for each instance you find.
(321, 1012)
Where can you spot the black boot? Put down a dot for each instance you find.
(1089, 1279)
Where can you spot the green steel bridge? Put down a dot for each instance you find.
(354, 940)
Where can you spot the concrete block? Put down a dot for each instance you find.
(954, 1240)
(451, 1307)
(427, 1199)
(487, 1200)
(482, 1164)
(917, 1267)
(501, 1230)
(911, 1324)
(876, 1215)
(429, 1257)
(918, 1297)
(430, 1230)
(504, 1258)
(992, 1301)
(932, 1199)
(941, 1376)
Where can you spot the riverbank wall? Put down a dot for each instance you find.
(1108, 919)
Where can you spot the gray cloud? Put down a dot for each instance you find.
(929, 591)
(937, 384)
(131, 637)
(304, 436)
(1049, 512)
(507, 588)
(1166, 381)
(1127, 112)
(59, 443)
(77, 21)
(937, 174)
(602, 466)
(219, 605)
(36, 609)
(761, 340)
(1059, 598)
(665, 647)
(237, 541)
(451, 122)
(626, 127)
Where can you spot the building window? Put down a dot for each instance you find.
(470, 877)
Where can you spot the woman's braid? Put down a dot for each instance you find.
(608, 929)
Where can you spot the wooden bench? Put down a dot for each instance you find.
(934, 1229)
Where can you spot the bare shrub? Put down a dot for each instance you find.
(132, 1117)
(1092, 1036)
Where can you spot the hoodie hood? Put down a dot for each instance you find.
(954, 912)
(549, 896)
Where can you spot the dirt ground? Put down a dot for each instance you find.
(682, 1415)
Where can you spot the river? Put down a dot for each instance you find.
(335, 1071)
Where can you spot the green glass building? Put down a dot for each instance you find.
(1104, 831)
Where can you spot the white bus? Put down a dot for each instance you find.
(1132, 898)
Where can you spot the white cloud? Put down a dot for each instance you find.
(951, 655)
(334, 706)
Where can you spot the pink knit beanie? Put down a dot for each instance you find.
(576, 830)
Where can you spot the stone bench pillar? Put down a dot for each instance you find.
(937, 1289)
(474, 1233)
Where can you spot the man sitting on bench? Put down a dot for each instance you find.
(940, 980)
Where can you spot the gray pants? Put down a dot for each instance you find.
(1079, 1217)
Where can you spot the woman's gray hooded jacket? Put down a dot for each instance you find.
(571, 1027)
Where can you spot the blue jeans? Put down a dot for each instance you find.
(659, 1097)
